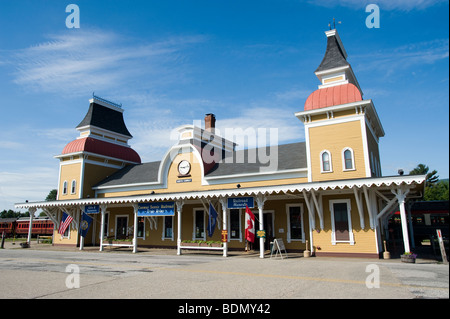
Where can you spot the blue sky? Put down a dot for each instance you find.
(248, 62)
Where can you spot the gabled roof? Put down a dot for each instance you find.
(105, 118)
(290, 156)
(334, 55)
(133, 174)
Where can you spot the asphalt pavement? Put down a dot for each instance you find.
(45, 271)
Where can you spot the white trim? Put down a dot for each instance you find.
(272, 215)
(115, 228)
(344, 161)
(361, 108)
(163, 236)
(103, 103)
(80, 191)
(93, 154)
(257, 176)
(194, 212)
(308, 154)
(339, 120)
(322, 170)
(334, 70)
(341, 81)
(137, 227)
(73, 188)
(365, 149)
(386, 182)
(65, 188)
(335, 108)
(288, 223)
(351, 240)
(229, 225)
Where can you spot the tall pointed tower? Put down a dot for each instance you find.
(100, 150)
(342, 130)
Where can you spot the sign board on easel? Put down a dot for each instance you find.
(278, 247)
(441, 246)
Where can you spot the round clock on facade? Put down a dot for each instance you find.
(184, 167)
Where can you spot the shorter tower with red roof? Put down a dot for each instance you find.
(100, 150)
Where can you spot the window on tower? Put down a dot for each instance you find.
(325, 158)
(73, 187)
(64, 188)
(348, 162)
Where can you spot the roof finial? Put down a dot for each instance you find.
(334, 24)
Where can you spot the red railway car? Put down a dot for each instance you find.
(8, 225)
(41, 226)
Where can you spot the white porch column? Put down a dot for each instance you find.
(223, 202)
(179, 204)
(32, 210)
(401, 197)
(411, 228)
(81, 237)
(135, 208)
(260, 199)
(102, 225)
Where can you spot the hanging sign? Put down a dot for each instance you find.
(156, 209)
(224, 236)
(261, 233)
(92, 209)
(240, 202)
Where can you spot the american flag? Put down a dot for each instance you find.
(65, 222)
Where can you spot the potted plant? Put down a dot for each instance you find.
(186, 243)
(202, 243)
(212, 243)
(408, 257)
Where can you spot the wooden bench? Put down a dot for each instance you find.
(43, 238)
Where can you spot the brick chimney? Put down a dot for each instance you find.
(210, 122)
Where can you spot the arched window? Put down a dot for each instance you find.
(73, 187)
(325, 158)
(348, 159)
(65, 188)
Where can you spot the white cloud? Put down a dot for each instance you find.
(31, 183)
(411, 55)
(401, 5)
(264, 120)
(87, 60)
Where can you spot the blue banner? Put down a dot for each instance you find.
(86, 222)
(92, 209)
(240, 202)
(156, 209)
(212, 220)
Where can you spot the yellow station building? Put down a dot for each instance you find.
(325, 195)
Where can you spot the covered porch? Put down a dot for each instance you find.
(371, 201)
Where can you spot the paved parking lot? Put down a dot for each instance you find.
(47, 272)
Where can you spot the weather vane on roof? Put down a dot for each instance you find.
(334, 24)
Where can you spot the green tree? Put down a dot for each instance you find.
(422, 169)
(12, 214)
(52, 195)
(438, 191)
